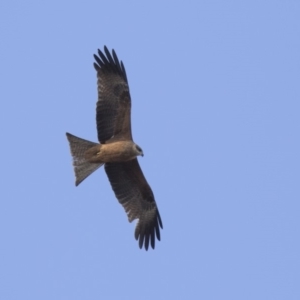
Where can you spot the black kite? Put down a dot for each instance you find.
(117, 151)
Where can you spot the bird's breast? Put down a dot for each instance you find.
(117, 152)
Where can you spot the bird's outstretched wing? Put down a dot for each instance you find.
(114, 102)
(136, 196)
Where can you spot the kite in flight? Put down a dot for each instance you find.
(117, 151)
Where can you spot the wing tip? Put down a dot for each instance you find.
(146, 234)
(108, 61)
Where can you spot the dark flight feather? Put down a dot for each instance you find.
(114, 102)
(136, 196)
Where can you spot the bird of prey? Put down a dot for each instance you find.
(117, 150)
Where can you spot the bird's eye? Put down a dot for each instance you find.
(138, 148)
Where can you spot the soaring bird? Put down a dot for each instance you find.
(117, 151)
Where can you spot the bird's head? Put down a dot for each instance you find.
(138, 150)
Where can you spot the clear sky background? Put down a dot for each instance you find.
(215, 87)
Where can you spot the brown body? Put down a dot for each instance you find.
(112, 152)
(117, 151)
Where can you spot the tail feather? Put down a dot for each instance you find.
(82, 167)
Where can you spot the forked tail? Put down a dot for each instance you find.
(82, 167)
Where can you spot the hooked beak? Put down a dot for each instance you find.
(142, 154)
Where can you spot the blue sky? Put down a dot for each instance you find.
(216, 102)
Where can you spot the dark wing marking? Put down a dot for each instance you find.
(114, 102)
(136, 196)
